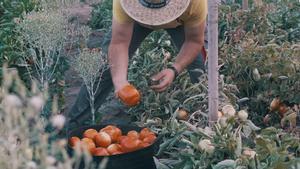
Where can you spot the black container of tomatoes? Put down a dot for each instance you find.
(124, 147)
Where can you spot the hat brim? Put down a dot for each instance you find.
(155, 16)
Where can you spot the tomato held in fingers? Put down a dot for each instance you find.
(129, 95)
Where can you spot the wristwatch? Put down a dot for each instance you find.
(175, 71)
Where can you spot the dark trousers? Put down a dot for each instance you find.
(80, 114)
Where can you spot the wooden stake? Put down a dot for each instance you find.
(213, 60)
(245, 4)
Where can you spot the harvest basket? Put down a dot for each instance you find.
(140, 159)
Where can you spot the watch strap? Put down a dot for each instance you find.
(174, 69)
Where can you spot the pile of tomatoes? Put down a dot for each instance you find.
(110, 141)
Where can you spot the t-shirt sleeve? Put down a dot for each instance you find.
(198, 13)
(119, 14)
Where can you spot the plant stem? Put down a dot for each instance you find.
(92, 105)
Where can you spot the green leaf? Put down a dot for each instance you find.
(252, 125)
(194, 139)
(261, 142)
(238, 150)
(160, 165)
(269, 131)
(226, 164)
(247, 131)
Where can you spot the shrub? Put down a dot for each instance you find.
(260, 51)
(10, 14)
(22, 137)
(102, 15)
(234, 142)
(90, 65)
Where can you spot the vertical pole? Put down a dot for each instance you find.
(245, 4)
(213, 60)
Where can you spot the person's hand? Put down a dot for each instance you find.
(164, 79)
(129, 95)
(119, 86)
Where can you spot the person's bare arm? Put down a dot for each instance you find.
(118, 53)
(194, 40)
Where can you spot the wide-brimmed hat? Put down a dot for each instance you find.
(154, 12)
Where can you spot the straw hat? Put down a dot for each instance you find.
(154, 12)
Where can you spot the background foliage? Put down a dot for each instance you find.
(259, 60)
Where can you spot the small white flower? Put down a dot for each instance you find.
(28, 153)
(51, 167)
(205, 145)
(168, 42)
(250, 153)
(62, 142)
(256, 75)
(228, 110)
(223, 122)
(210, 149)
(243, 115)
(209, 131)
(17, 20)
(283, 77)
(220, 114)
(58, 121)
(50, 160)
(31, 165)
(11, 101)
(37, 103)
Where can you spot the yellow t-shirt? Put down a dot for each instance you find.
(195, 14)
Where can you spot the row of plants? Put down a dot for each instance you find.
(33, 38)
(30, 112)
(180, 114)
(259, 62)
(10, 12)
(259, 52)
(233, 142)
(24, 140)
(258, 58)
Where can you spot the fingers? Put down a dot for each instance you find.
(163, 85)
(158, 76)
(165, 78)
(119, 86)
